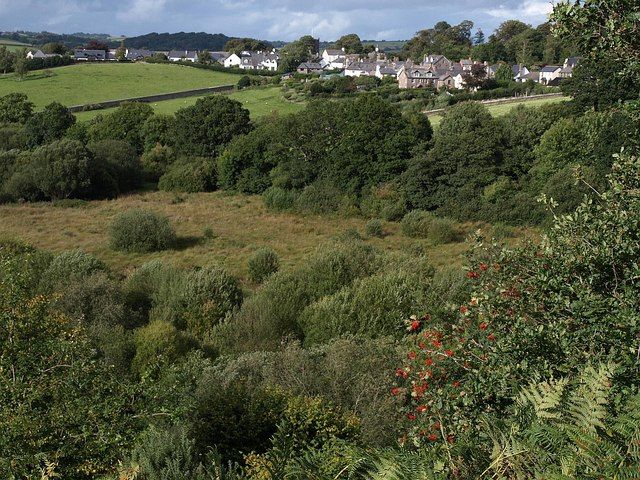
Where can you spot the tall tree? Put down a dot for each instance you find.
(350, 42)
(478, 38)
(20, 65)
(6, 59)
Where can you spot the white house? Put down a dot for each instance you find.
(329, 55)
(259, 61)
(40, 54)
(232, 60)
(186, 55)
(360, 69)
(520, 73)
(549, 73)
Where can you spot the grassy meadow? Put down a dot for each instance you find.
(240, 224)
(503, 108)
(259, 101)
(13, 45)
(96, 82)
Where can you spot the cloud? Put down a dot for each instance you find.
(265, 19)
(529, 9)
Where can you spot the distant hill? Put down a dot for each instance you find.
(178, 41)
(40, 38)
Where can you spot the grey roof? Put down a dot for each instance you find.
(310, 66)
(572, 61)
(84, 53)
(550, 68)
(217, 56)
(182, 54)
(387, 71)
(333, 51)
(134, 54)
(363, 66)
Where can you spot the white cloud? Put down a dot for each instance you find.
(142, 9)
(529, 9)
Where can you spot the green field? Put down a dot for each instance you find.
(13, 45)
(259, 102)
(97, 82)
(503, 108)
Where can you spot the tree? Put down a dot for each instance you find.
(97, 45)
(478, 38)
(603, 29)
(204, 57)
(351, 43)
(466, 156)
(125, 123)
(61, 169)
(6, 59)
(453, 41)
(476, 77)
(204, 128)
(599, 84)
(15, 108)
(294, 53)
(504, 74)
(121, 52)
(20, 64)
(54, 47)
(50, 124)
(237, 45)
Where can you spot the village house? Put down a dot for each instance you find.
(232, 60)
(329, 55)
(548, 74)
(134, 55)
(184, 55)
(360, 69)
(420, 76)
(31, 54)
(437, 62)
(520, 73)
(84, 55)
(309, 67)
(219, 57)
(259, 61)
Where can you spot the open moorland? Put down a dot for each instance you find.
(97, 82)
(240, 225)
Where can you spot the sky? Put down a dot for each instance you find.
(265, 19)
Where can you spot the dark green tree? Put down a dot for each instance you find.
(15, 108)
(206, 127)
(48, 125)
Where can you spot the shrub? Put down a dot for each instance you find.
(262, 263)
(272, 313)
(207, 232)
(189, 175)
(323, 197)
(94, 299)
(279, 199)
(373, 228)
(156, 161)
(152, 290)
(443, 230)
(70, 266)
(373, 306)
(416, 223)
(207, 296)
(141, 231)
(159, 342)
